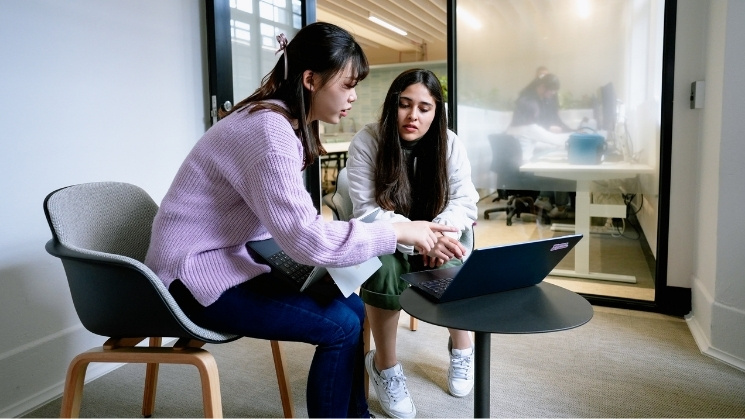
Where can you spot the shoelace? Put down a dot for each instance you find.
(396, 388)
(460, 366)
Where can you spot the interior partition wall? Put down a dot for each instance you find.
(611, 65)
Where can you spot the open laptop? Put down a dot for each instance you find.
(494, 269)
(285, 267)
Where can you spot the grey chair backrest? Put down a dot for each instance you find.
(104, 217)
(467, 240)
(101, 232)
(507, 157)
(339, 200)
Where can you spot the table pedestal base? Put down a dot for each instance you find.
(482, 379)
(538, 309)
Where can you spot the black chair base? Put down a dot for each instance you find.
(518, 202)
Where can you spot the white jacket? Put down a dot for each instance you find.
(460, 211)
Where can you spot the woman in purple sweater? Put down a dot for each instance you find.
(243, 182)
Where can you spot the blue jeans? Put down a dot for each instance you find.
(265, 308)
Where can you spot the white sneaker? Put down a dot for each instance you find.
(390, 386)
(460, 373)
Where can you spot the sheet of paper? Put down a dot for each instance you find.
(370, 217)
(350, 278)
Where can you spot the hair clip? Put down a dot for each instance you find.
(282, 47)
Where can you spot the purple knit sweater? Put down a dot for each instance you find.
(243, 182)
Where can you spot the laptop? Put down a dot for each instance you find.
(299, 275)
(494, 269)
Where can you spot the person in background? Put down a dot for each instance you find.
(536, 123)
(411, 167)
(536, 111)
(541, 71)
(243, 182)
(544, 95)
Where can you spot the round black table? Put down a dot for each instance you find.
(537, 309)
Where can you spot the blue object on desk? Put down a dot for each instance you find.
(586, 148)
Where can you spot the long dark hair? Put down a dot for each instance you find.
(323, 48)
(426, 195)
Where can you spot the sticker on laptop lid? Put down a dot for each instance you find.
(559, 246)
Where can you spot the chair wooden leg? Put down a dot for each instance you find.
(151, 382)
(413, 323)
(282, 380)
(201, 359)
(211, 397)
(72, 395)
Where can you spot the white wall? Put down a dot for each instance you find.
(718, 279)
(91, 91)
(728, 317)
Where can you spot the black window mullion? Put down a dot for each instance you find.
(219, 56)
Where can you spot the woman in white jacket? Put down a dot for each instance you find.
(411, 167)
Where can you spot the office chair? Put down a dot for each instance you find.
(339, 200)
(518, 188)
(101, 232)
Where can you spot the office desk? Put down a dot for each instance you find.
(538, 309)
(584, 175)
(337, 151)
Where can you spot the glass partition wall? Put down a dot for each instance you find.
(604, 59)
(559, 105)
(254, 26)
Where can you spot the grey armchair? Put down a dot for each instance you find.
(339, 200)
(101, 232)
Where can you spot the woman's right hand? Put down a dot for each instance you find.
(422, 235)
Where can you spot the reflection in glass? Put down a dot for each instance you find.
(572, 87)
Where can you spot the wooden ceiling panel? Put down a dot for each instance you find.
(424, 21)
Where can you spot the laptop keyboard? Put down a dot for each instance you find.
(438, 285)
(296, 271)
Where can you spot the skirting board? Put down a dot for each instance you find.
(704, 345)
(43, 396)
(95, 370)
